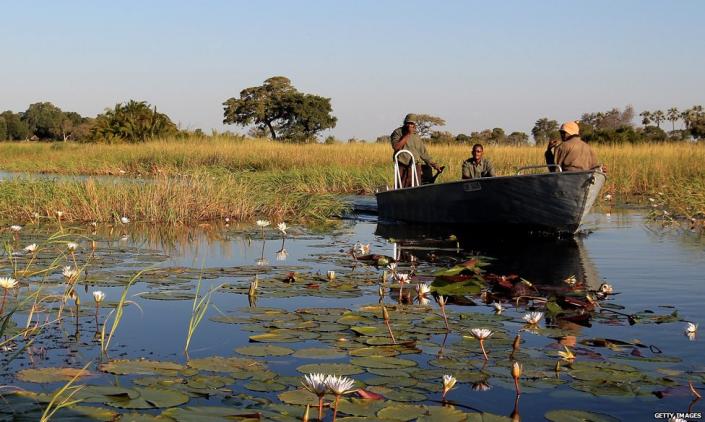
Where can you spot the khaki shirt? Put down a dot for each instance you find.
(575, 155)
(414, 145)
(475, 170)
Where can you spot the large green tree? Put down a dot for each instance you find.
(16, 128)
(3, 129)
(133, 121)
(544, 130)
(44, 120)
(281, 109)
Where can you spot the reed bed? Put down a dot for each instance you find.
(213, 178)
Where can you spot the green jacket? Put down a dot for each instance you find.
(414, 145)
(473, 170)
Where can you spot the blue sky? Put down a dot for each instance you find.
(477, 64)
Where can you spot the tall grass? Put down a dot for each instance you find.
(194, 181)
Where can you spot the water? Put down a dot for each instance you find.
(651, 268)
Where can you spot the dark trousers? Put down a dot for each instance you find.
(405, 173)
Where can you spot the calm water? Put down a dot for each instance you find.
(652, 269)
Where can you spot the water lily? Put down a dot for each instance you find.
(59, 214)
(448, 384)
(380, 292)
(316, 384)
(70, 274)
(442, 300)
(6, 283)
(608, 197)
(15, 228)
(403, 278)
(387, 322)
(124, 220)
(98, 296)
(339, 386)
(517, 369)
(423, 290)
(691, 330)
(282, 228)
(533, 318)
(676, 419)
(331, 275)
(72, 246)
(392, 267)
(566, 355)
(281, 254)
(482, 334)
(481, 386)
(606, 289)
(31, 248)
(359, 249)
(262, 223)
(498, 309)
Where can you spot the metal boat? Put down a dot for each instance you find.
(547, 203)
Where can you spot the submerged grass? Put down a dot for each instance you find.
(244, 180)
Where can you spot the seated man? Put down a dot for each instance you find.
(572, 154)
(405, 137)
(475, 166)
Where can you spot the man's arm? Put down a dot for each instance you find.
(399, 139)
(550, 157)
(489, 172)
(423, 153)
(466, 171)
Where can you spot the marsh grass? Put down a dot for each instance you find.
(117, 316)
(249, 179)
(198, 311)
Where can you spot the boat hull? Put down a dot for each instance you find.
(548, 202)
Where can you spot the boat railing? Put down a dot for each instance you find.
(539, 166)
(397, 171)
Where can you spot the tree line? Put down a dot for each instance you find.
(276, 109)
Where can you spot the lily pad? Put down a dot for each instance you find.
(264, 350)
(150, 398)
(319, 353)
(382, 362)
(565, 415)
(141, 367)
(48, 375)
(330, 369)
(221, 364)
(402, 412)
(208, 414)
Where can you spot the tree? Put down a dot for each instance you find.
(658, 116)
(696, 118)
(544, 130)
(441, 137)
(3, 129)
(424, 123)
(133, 121)
(517, 138)
(278, 107)
(44, 120)
(462, 138)
(16, 128)
(672, 115)
(646, 117)
(609, 120)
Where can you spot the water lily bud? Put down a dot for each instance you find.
(385, 313)
(517, 368)
(331, 275)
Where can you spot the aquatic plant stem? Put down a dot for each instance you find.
(335, 407)
(516, 386)
(4, 297)
(320, 408)
(445, 317)
(482, 346)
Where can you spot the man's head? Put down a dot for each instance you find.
(477, 151)
(569, 129)
(410, 123)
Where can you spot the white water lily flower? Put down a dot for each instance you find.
(331, 275)
(424, 301)
(481, 386)
(498, 309)
(35, 214)
(227, 220)
(676, 419)
(567, 355)
(32, 248)
(442, 300)
(281, 254)
(533, 318)
(98, 296)
(340, 385)
(315, 383)
(72, 246)
(606, 288)
(262, 262)
(360, 249)
(262, 223)
(70, 273)
(59, 214)
(8, 283)
(282, 227)
(124, 220)
(448, 383)
(15, 228)
(652, 200)
(608, 197)
(481, 333)
(403, 278)
(423, 289)
(691, 328)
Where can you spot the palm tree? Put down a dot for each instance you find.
(658, 116)
(646, 117)
(673, 117)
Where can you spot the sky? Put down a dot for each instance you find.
(477, 64)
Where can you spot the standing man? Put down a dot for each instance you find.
(573, 154)
(476, 167)
(405, 137)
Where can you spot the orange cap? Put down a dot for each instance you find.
(571, 128)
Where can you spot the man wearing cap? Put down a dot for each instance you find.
(572, 154)
(405, 137)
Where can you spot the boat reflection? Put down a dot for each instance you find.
(539, 260)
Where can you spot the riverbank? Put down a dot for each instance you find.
(218, 178)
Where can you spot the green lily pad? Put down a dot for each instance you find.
(221, 364)
(48, 375)
(398, 394)
(319, 353)
(402, 412)
(565, 415)
(264, 350)
(330, 369)
(150, 398)
(382, 362)
(141, 367)
(443, 413)
(299, 397)
(208, 414)
(265, 386)
(168, 295)
(360, 407)
(103, 393)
